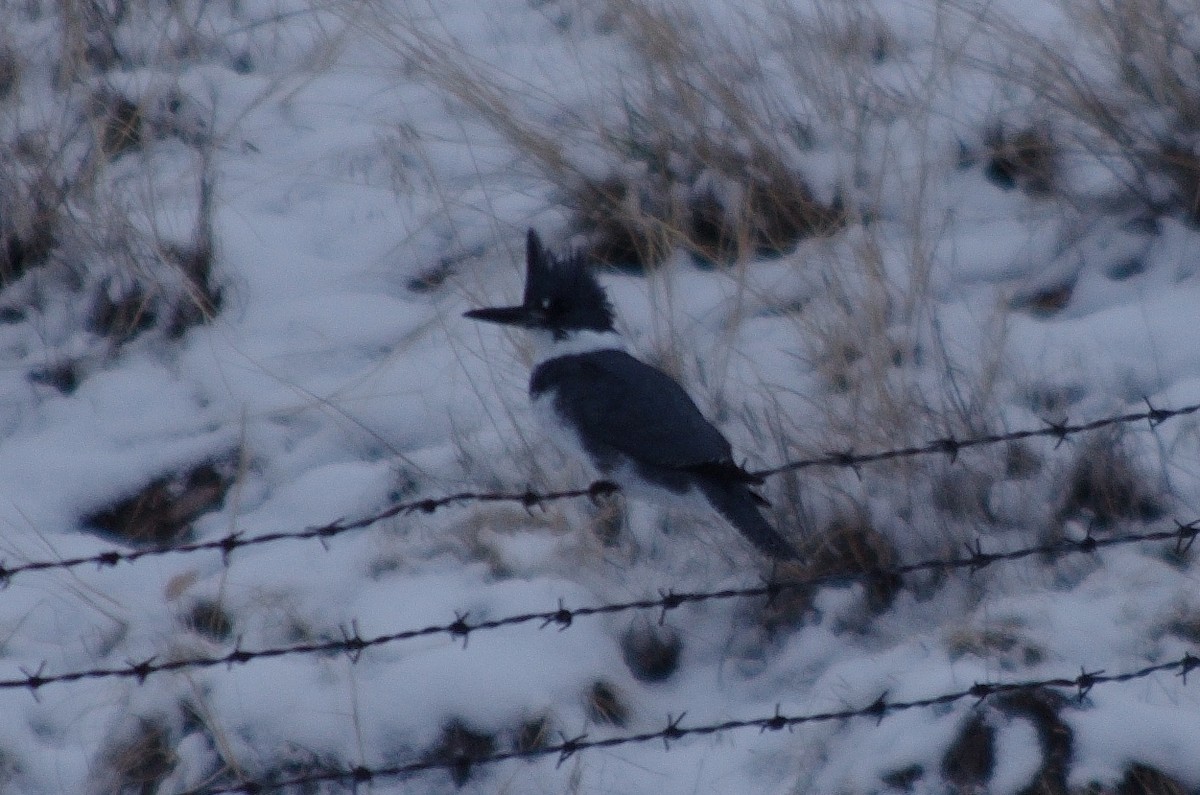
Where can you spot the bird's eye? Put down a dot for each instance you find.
(545, 303)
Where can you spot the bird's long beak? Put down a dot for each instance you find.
(504, 315)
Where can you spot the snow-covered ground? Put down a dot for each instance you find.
(238, 241)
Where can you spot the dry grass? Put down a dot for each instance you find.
(1105, 484)
(700, 148)
(1131, 99)
(605, 703)
(105, 138)
(687, 158)
(76, 225)
(136, 761)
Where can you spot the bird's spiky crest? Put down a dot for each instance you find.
(538, 263)
(564, 291)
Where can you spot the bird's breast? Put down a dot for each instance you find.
(556, 426)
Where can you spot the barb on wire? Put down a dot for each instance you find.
(461, 628)
(674, 731)
(232, 542)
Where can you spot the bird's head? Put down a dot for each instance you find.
(561, 296)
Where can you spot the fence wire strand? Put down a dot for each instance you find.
(353, 644)
(226, 545)
(462, 764)
(951, 446)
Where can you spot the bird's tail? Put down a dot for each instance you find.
(739, 505)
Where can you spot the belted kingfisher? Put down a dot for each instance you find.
(635, 423)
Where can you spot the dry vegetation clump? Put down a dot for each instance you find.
(83, 240)
(119, 123)
(1045, 302)
(31, 210)
(162, 511)
(208, 618)
(1001, 642)
(605, 703)
(853, 548)
(1134, 106)
(847, 550)
(890, 378)
(137, 761)
(1028, 158)
(1105, 485)
(685, 153)
(458, 746)
(651, 650)
(691, 191)
(532, 735)
(970, 758)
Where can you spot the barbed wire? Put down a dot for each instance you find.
(353, 644)
(951, 446)
(226, 545)
(232, 542)
(462, 763)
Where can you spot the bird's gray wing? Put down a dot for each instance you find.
(623, 404)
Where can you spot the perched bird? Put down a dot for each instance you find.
(636, 423)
